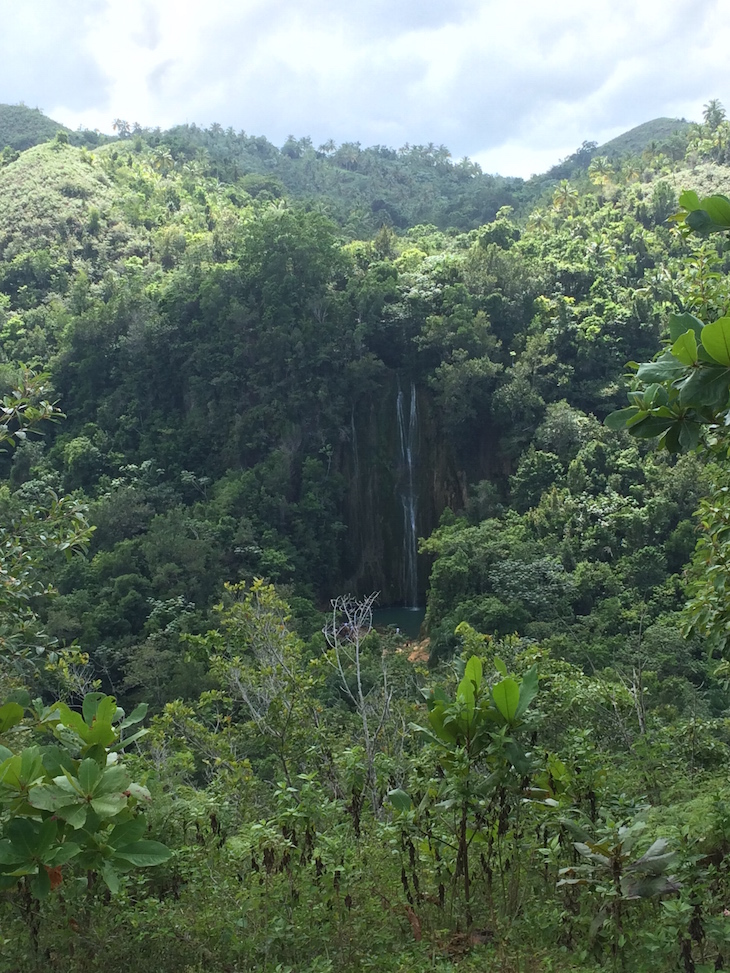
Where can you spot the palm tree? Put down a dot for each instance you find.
(538, 221)
(348, 155)
(123, 127)
(629, 168)
(713, 113)
(565, 197)
(600, 171)
(162, 160)
(601, 251)
(442, 154)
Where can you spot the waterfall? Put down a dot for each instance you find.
(407, 433)
(355, 456)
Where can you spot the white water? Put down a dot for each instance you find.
(355, 456)
(407, 432)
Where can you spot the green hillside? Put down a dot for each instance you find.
(239, 381)
(22, 127)
(659, 131)
(360, 188)
(46, 187)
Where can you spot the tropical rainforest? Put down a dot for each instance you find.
(252, 396)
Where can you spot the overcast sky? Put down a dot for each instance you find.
(514, 84)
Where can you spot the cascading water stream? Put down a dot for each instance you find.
(355, 454)
(407, 434)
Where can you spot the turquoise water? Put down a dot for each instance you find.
(408, 620)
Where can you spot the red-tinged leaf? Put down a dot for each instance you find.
(55, 876)
(415, 924)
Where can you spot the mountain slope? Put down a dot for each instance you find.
(46, 186)
(22, 127)
(633, 142)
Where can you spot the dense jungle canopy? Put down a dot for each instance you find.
(246, 387)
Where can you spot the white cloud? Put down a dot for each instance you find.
(494, 79)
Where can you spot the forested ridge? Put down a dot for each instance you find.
(247, 387)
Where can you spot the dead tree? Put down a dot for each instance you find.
(350, 622)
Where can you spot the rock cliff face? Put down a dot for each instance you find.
(401, 473)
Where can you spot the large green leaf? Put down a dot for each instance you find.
(102, 733)
(647, 886)
(465, 695)
(127, 741)
(446, 732)
(506, 696)
(113, 780)
(95, 726)
(136, 716)
(717, 208)
(689, 435)
(637, 418)
(107, 710)
(56, 760)
(500, 666)
(664, 369)
(653, 397)
(126, 832)
(421, 731)
(27, 836)
(71, 719)
(473, 671)
(708, 215)
(50, 797)
(22, 770)
(139, 792)
(701, 222)
(90, 706)
(89, 776)
(705, 386)
(21, 696)
(109, 805)
(517, 757)
(110, 876)
(62, 798)
(681, 323)
(528, 691)
(651, 426)
(689, 200)
(670, 439)
(75, 815)
(47, 834)
(435, 697)
(400, 800)
(143, 853)
(598, 853)
(10, 715)
(716, 340)
(63, 853)
(655, 859)
(31, 765)
(40, 884)
(685, 348)
(616, 421)
(10, 855)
